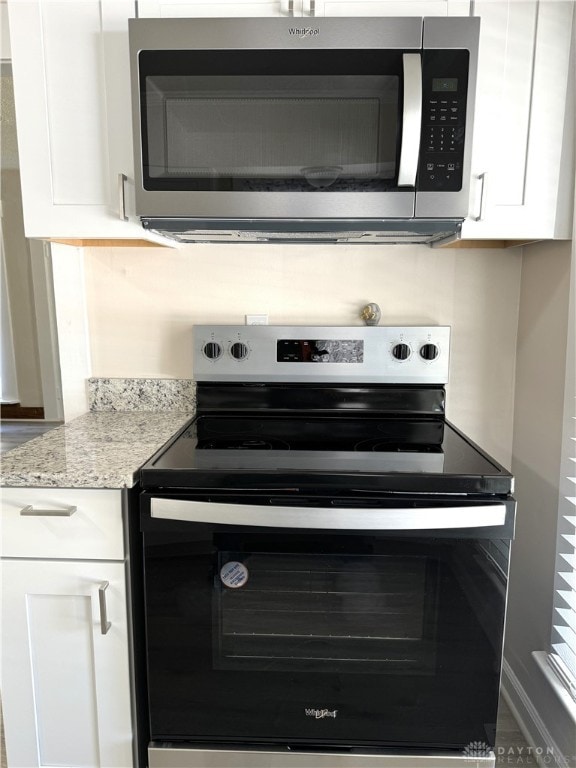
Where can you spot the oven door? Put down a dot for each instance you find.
(320, 626)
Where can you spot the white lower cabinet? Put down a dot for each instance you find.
(65, 679)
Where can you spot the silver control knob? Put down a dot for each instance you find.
(429, 352)
(239, 351)
(212, 350)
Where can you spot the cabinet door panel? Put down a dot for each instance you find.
(65, 685)
(228, 8)
(516, 98)
(378, 7)
(507, 40)
(75, 104)
(522, 138)
(115, 15)
(60, 635)
(69, 155)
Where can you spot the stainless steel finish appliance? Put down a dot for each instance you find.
(349, 130)
(221, 758)
(325, 559)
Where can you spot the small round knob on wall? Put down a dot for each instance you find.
(239, 351)
(429, 351)
(401, 352)
(212, 350)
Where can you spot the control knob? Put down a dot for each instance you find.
(239, 350)
(429, 351)
(212, 350)
(401, 351)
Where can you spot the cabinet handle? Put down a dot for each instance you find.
(122, 179)
(312, 8)
(290, 7)
(29, 511)
(483, 177)
(104, 623)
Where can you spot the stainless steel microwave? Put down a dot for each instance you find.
(335, 130)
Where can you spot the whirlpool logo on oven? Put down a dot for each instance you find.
(319, 714)
(304, 31)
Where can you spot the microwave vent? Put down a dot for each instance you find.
(369, 232)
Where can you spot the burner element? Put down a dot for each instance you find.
(385, 446)
(244, 443)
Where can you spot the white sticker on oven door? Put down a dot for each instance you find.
(234, 574)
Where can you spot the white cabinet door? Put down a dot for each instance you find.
(65, 684)
(164, 9)
(520, 167)
(384, 7)
(70, 155)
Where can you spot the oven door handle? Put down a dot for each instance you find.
(330, 518)
(411, 120)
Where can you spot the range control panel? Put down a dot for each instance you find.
(312, 354)
(444, 94)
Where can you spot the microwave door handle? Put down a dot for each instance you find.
(330, 518)
(411, 120)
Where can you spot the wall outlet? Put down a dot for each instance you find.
(256, 319)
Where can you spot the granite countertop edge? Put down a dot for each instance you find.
(96, 450)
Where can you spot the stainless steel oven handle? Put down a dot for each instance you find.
(411, 120)
(330, 518)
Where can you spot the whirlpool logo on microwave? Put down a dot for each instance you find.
(319, 714)
(304, 31)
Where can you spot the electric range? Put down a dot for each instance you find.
(325, 558)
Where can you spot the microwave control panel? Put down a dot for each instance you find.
(444, 94)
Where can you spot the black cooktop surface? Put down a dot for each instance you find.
(397, 454)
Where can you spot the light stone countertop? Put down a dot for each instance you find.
(96, 450)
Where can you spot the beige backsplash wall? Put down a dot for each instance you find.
(142, 304)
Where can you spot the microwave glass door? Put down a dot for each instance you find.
(277, 121)
(286, 637)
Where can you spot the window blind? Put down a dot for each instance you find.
(563, 652)
(563, 657)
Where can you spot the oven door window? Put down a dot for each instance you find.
(362, 614)
(258, 636)
(323, 120)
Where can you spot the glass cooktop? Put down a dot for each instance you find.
(399, 454)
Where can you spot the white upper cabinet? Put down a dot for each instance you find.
(72, 97)
(73, 108)
(386, 7)
(522, 151)
(522, 159)
(197, 8)
(165, 9)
